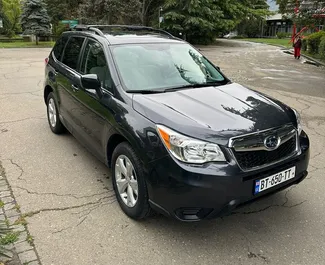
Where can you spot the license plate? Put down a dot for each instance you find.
(274, 180)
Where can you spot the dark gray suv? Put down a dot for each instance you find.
(179, 136)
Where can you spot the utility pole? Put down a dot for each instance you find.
(160, 17)
(295, 25)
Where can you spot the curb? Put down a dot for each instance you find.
(311, 59)
(23, 248)
(314, 60)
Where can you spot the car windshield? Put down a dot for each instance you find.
(157, 67)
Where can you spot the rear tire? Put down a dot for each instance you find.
(129, 183)
(53, 115)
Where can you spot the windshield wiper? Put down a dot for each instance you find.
(171, 89)
(144, 91)
(191, 86)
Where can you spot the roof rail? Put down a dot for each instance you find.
(88, 28)
(129, 28)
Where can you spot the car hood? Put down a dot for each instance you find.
(214, 113)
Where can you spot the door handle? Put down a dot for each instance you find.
(74, 88)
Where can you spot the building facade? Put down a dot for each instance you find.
(281, 23)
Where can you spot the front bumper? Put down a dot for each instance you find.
(192, 193)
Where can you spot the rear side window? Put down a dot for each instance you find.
(59, 46)
(72, 52)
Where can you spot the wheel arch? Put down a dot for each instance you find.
(47, 90)
(112, 143)
(120, 137)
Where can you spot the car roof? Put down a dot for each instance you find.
(117, 34)
(137, 38)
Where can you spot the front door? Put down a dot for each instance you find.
(92, 114)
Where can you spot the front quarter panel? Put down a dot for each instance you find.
(140, 132)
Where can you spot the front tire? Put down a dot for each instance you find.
(129, 183)
(53, 115)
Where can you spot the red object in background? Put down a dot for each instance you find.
(319, 16)
(297, 52)
(294, 33)
(296, 10)
(46, 60)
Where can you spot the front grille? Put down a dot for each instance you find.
(252, 159)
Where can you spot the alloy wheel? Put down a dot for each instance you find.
(126, 181)
(52, 112)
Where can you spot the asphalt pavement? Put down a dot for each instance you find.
(66, 194)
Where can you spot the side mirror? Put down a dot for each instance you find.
(92, 82)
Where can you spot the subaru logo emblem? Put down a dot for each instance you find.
(272, 142)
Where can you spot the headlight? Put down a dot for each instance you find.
(299, 126)
(189, 150)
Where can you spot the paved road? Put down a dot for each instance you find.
(67, 193)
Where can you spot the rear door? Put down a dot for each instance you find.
(69, 80)
(54, 66)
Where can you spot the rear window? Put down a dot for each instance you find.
(72, 52)
(59, 46)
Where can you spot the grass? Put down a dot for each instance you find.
(1, 204)
(43, 44)
(17, 207)
(278, 42)
(20, 221)
(30, 240)
(315, 56)
(9, 238)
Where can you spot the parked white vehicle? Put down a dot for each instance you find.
(230, 35)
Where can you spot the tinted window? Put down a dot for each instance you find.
(59, 46)
(72, 51)
(94, 62)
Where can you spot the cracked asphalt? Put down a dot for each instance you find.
(66, 194)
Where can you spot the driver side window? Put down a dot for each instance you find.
(94, 62)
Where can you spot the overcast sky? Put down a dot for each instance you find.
(272, 5)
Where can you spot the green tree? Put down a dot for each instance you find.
(10, 12)
(110, 12)
(307, 10)
(256, 12)
(59, 10)
(34, 18)
(202, 20)
(62, 10)
(195, 19)
(149, 11)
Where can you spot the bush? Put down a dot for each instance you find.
(304, 45)
(240, 37)
(314, 40)
(321, 49)
(283, 35)
(59, 29)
